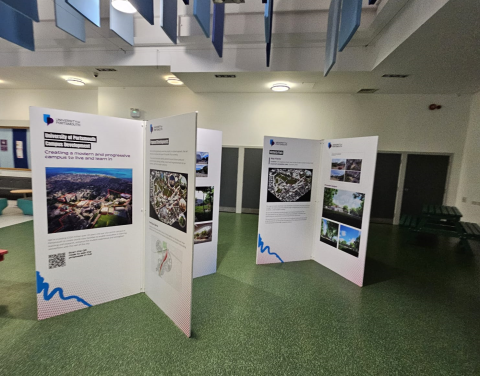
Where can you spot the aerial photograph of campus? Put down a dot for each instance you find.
(203, 204)
(87, 198)
(338, 164)
(352, 177)
(329, 233)
(168, 198)
(337, 175)
(202, 233)
(343, 206)
(354, 164)
(349, 240)
(289, 185)
(202, 164)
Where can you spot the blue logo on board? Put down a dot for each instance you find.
(47, 119)
(329, 145)
(272, 142)
(151, 128)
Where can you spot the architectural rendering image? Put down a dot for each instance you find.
(202, 164)
(203, 204)
(329, 233)
(289, 185)
(352, 177)
(343, 206)
(354, 164)
(349, 240)
(87, 198)
(168, 198)
(337, 175)
(202, 233)
(338, 164)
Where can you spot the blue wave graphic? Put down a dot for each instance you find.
(267, 248)
(43, 286)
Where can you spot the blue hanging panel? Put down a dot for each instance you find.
(268, 19)
(90, 9)
(122, 24)
(186, 2)
(69, 20)
(371, 2)
(16, 28)
(332, 36)
(145, 8)
(218, 27)
(28, 8)
(168, 9)
(350, 21)
(20, 156)
(201, 11)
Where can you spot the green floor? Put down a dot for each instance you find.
(418, 315)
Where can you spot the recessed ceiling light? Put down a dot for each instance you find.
(123, 6)
(75, 81)
(174, 81)
(280, 87)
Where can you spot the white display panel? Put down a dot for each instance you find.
(344, 203)
(329, 225)
(207, 201)
(287, 201)
(170, 214)
(88, 188)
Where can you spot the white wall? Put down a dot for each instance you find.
(14, 108)
(402, 122)
(470, 180)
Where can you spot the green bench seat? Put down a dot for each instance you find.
(468, 231)
(409, 221)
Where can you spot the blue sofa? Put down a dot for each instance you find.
(26, 205)
(3, 204)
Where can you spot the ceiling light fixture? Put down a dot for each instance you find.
(280, 87)
(75, 81)
(124, 6)
(174, 81)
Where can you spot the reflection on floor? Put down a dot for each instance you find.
(417, 315)
(12, 215)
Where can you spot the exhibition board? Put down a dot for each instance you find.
(315, 202)
(114, 209)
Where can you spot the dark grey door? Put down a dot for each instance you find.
(228, 182)
(252, 176)
(385, 187)
(425, 181)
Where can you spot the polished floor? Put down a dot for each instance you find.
(418, 315)
(12, 215)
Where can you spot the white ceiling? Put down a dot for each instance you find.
(441, 57)
(54, 78)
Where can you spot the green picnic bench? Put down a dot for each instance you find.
(435, 219)
(468, 231)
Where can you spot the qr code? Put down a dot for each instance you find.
(56, 261)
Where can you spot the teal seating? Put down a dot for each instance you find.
(26, 205)
(3, 204)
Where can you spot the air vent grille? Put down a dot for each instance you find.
(367, 91)
(106, 70)
(225, 76)
(395, 75)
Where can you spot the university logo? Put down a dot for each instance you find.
(272, 142)
(151, 128)
(47, 119)
(329, 145)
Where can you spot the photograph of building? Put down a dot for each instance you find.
(168, 198)
(88, 198)
(289, 185)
